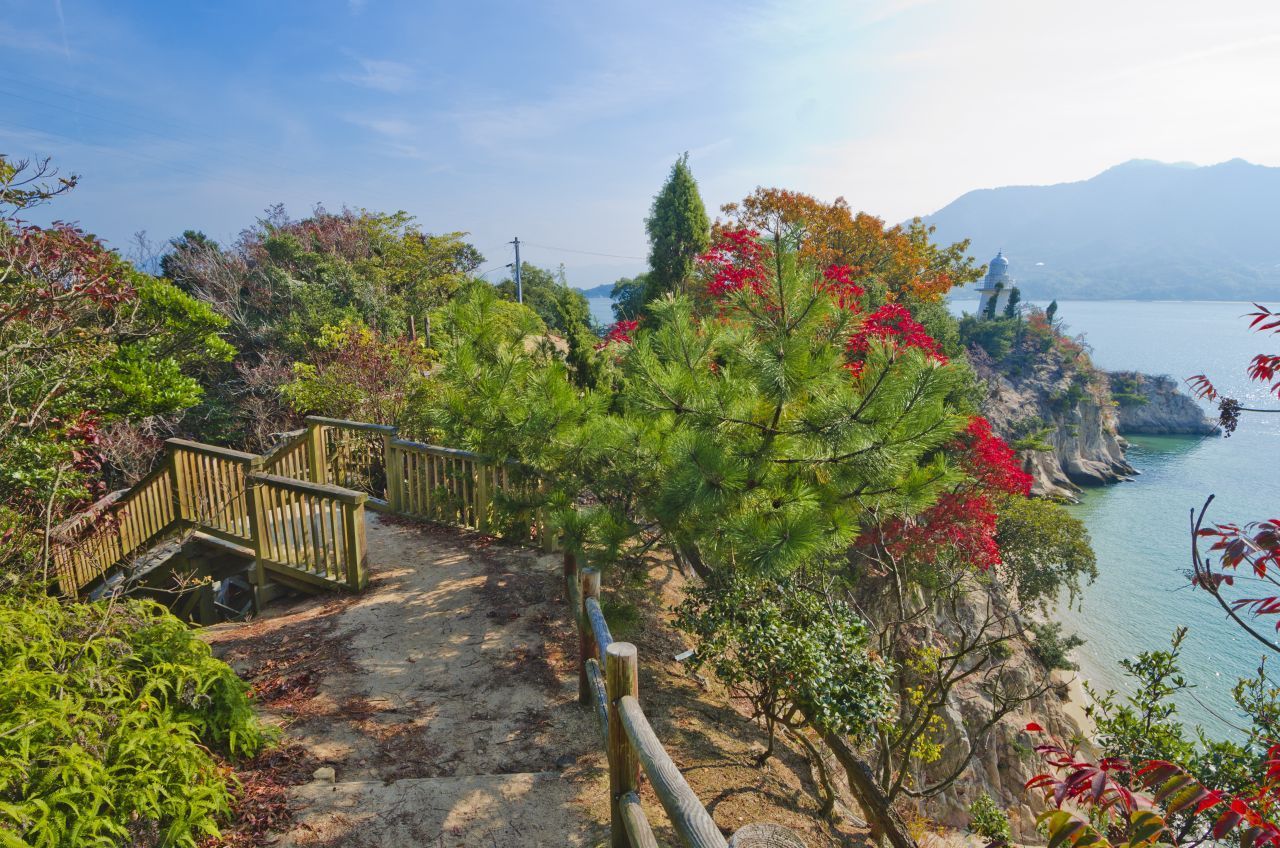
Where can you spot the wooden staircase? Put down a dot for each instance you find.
(297, 510)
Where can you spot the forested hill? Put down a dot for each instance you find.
(1143, 230)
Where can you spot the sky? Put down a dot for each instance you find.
(557, 122)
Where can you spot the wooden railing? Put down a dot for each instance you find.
(316, 531)
(629, 742)
(211, 488)
(352, 455)
(306, 534)
(291, 457)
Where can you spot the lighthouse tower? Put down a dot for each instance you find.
(995, 286)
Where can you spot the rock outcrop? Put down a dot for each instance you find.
(1153, 405)
(1062, 416)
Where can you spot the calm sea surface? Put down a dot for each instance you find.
(601, 309)
(1140, 529)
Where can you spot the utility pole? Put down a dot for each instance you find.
(519, 288)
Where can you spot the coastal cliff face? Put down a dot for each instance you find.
(973, 721)
(1068, 417)
(1153, 405)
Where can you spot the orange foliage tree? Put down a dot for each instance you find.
(895, 263)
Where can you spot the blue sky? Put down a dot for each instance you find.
(557, 122)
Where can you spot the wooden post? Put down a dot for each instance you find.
(621, 678)
(392, 463)
(353, 519)
(570, 575)
(257, 523)
(178, 478)
(587, 646)
(482, 495)
(315, 453)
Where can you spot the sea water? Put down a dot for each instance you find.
(1141, 530)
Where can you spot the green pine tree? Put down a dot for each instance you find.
(1011, 308)
(679, 231)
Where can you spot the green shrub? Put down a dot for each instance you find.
(1052, 648)
(988, 820)
(109, 720)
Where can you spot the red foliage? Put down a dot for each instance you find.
(839, 281)
(735, 261)
(1256, 544)
(893, 324)
(1106, 785)
(620, 332)
(963, 520)
(991, 462)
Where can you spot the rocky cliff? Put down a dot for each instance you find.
(1060, 418)
(1150, 405)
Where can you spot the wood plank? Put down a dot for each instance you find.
(336, 492)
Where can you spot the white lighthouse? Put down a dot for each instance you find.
(995, 286)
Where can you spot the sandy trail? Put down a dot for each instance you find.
(441, 698)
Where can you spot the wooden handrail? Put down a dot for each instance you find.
(215, 451)
(690, 819)
(436, 450)
(630, 743)
(633, 819)
(348, 496)
(349, 425)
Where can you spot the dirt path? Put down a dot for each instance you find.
(440, 697)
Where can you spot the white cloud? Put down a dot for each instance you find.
(382, 75)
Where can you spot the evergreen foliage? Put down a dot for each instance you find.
(628, 295)
(989, 821)
(1045, 551)
(679, 232)
(1011, 306)
(798, 657)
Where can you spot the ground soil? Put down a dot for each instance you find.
(444, 699)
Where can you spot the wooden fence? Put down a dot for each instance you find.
(631, 746)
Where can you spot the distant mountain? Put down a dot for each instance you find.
(1143, 230)
(605, 290)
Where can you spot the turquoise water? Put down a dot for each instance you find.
(1140, 529)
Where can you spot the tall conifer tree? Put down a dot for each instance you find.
(679, 231)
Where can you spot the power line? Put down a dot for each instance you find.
(584, 252)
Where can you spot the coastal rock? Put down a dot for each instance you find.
(1153, 405)
(1063, 419)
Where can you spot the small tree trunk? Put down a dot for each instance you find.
(885, 823)
(826, 785)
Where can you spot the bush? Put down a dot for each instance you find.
(988, 820)
(109, 720)
(1052, 648)
(788, 650)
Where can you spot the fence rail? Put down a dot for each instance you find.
(306, 533)
(630, 744)
(314, 529)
